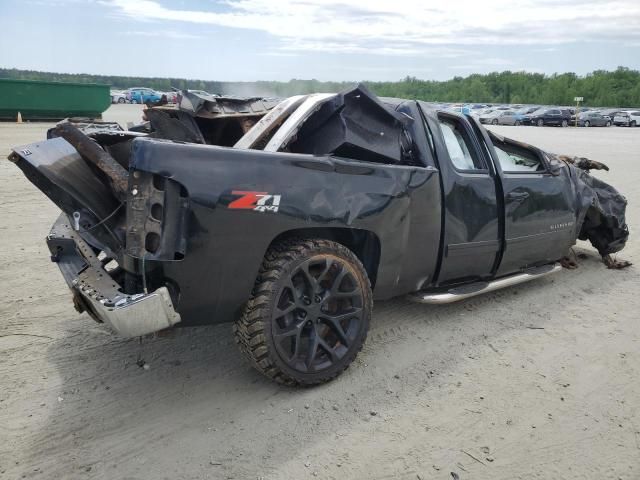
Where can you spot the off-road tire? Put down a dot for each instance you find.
(256, 330)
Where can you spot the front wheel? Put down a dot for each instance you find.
(540, 123)
(121, 100)
(308, 315)
(587, 124)
(565, 123)
(518, 123)
(494, 122)
(632, 124)
(608, 124)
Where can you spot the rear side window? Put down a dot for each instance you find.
(635, 114)
(459, 145)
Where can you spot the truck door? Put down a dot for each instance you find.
(539, 214)
(471, 232)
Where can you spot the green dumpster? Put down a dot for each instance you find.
(37, 100)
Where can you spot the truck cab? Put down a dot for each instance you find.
(503, 206)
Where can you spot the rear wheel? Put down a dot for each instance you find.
(121, 100)
(633, 123)
(309, 312)
(518, 123)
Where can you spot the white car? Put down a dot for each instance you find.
(118, 96)
(629, 118)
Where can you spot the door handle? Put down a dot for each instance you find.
(517, 196)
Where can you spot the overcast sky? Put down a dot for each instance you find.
(326, 40)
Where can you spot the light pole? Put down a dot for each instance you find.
(578, 100)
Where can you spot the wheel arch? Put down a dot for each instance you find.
(365, 244)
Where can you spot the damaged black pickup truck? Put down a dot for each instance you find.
(290, 218)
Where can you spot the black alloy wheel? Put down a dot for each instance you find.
(309, 314)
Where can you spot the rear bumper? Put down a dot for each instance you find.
(97, 293)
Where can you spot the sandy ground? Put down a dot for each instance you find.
(536, 381)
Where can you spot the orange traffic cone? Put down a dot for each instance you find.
(19, 119)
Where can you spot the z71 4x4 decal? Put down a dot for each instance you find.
(258, 201)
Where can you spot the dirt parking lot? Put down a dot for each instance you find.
(535, 381)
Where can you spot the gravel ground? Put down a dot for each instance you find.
(535, 381)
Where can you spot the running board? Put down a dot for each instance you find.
(466, 291)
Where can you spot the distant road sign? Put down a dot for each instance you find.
(578, 99)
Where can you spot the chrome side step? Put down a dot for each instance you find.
(466, 291)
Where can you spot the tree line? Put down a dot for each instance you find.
(601, 88)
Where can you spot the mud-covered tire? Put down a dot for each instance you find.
(288, 328)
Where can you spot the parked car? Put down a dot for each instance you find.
(328, 202)
(481, 111)
(580, 111)
(548, 116)
(609, 112)
(630, 118)
(593, 119)
(463, 109)
(522, 112)
(118, 96)
(499, 117)
(143, 95)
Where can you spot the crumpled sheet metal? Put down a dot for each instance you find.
(602, 213)
(355, 124)
(206, 106)
(600, 207)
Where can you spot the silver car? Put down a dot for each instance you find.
(499, 117)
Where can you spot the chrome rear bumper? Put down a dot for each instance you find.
(94, 291)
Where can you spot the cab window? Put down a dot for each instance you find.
(514, 159)
(459, 145)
